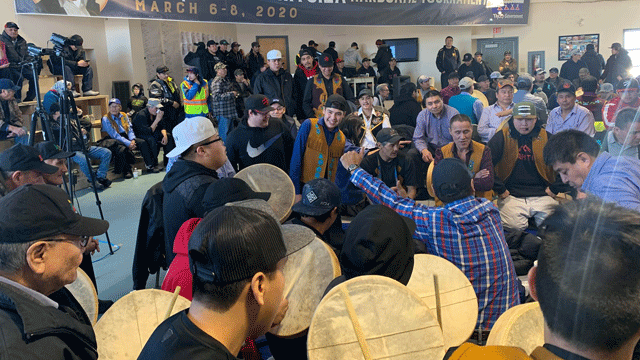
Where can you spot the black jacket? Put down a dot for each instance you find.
(382, 58)
(276, 86)
(570, 70)
(475, 68)
(70, 58)
(150, 254)
(595, 63)
(254, 63)
(31, 330)
(448, 60)
(208, 62)
(404, 111)
(617, 65)
(332, 52)
(16, 52)
(299, 85)
(184, 187)
(524, 249)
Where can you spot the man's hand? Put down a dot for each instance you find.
(164, 140)
(92, 246)
(176, 104)
(235, 93)
(84, 131)
(504, 195)
(282, 311)
(505, 112)
(350, 158)
(581, 195)
(298, 198)
(481, 174)
(83, 63)
(404, 143)
(132, 145)
(427, 156)
(16, 131)
(399, 189)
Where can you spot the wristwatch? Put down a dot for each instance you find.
(353, 168)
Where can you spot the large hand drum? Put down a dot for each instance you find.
(84, 291)
(269, 178)
(456, 305)
(307, 274)
(125, 328)
(521, 326)
(373, 317)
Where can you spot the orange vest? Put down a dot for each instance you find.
(321, 159)
(320, 94)
(505, 166)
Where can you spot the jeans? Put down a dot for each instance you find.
(223, 127)
(94, 152)
(24, 139)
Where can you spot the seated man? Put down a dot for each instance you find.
(54, 156)
(432, 126)
(522, 180)
(460, 232)
(628, 91)
(238, 286)
(75, 63)
(624, 138)
(41, 245)
(574, 155)
(465, 103)
(451, 89)
(22, 164)
(525, 93)
(388, 164)
(10, 115)
(475, 155)
(149, 125)
(495, 115)
(569, 115)
(373, 120)
(382, 94)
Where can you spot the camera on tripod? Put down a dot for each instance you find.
(59, 42)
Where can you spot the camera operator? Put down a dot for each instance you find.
(75, 63)
(10, 115)
(16, 49)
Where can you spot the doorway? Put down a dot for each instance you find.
(268, 43)
(493, 50)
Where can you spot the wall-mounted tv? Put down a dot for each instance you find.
(404, 49)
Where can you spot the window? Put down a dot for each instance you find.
(632, 45)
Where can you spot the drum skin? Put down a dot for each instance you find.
(269, 178)
(84, 291)
(521, 326)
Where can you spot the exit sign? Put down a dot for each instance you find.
(497, 30)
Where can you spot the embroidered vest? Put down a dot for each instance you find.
(123, 120)
(504, 168)
(319, 92)
(197, 105)
(320, 159)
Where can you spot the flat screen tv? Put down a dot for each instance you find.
(404, 49)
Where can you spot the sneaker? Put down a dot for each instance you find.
(75, 94)
(151, 170)
(104, 181)
(128, 175)
(98, 186)
(29, 98)
(90, 93)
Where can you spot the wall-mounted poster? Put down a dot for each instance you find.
(567, 44)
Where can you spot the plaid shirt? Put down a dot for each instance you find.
(467, 232)
(223, 101)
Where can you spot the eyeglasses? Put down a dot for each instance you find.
(84, 240)
(210, 142)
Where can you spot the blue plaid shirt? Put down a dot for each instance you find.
(468, 232)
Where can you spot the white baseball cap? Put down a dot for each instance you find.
(274, 54)
(191, 131)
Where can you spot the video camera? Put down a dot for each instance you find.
(59, 42)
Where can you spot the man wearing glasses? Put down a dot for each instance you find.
(41, 244)
(260, 139)
(199, 152)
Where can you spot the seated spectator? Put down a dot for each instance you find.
(373, 119)
(230, 302)
(465, 103)
(389, 73)
(259, 138)
(628, 93)
(524, 92)
(474, 221)
(589, 99)
(582, 74)
(522, 181)
(508, 64)
(382, 94)
(624, 138)
(280, 112)
(323, 85)
(494, 116)
(243, 87)
(570, 115)
(495, 77)
(366, 69)
(475, 155)
(540, 85)
(118, 127)
(389, 164)
(75, 63)
(41, 245)
(574, 156)
(485, 67)
(484, 85)
(16, 50)
(23, 164)
(432, 126)
(452, 89)
(553, 78)
(405, 107)
(424, 84)
(11, 117)
(470, 65)
(607, 92)
(149, 125)
(137, 101)
(195, 93)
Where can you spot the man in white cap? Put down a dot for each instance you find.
(200, 152)
(276, 82)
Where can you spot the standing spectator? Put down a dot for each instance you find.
(452, 89)
(484, 86)
(323, 85)
(148, 124)
(628, 96)
(405, 108)
(485, 67)
(391, 72)
(570, 70)
(235, 59)
(331, 50)
(447, 60)
(432, 126)
(255, 61)
(382, 56)
(137, 101)
(163, 88)
(465, 103)
(223, 104)
(372, 120)
(10, 115)
(195, 92)
(209, 60)
(75, 63)
(624, 138)
(276, 82)
(570, 115)
(352, 58)
(508, 64)
(594, 61)
(279, 112)
(242, 85)
(222, 52)
(618, 65)
(469, 64)
(305, 71)
(493, 117)
(16, 49)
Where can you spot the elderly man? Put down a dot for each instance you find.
(460, 232)
(494, 116)
(624, 138)
(570, 70)
(628, 92)
(22, 164)
(323, 85)
(15, 48)
(569, 115)
(382, 94)
(432, 125)
(574, 155)
(10, 115)
(149, 124)
(522, 180)
(54, 156)
(275, 82)
(41, 244)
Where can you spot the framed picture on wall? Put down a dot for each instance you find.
(568, 43)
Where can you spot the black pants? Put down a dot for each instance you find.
(146, 148)
(18, 75)
(70, 71)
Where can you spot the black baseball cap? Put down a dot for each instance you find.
(33, 212)
(51, 150)
(337, 102)
(162, 69)
(354, 44)
(255, 43)
(388, 135)
(24, 158)
(451, 180)
(211, 42)
(238, 72)
(319, 196)
(224, 42)
(366, 59)
(11, 24)
(7, 84)
(478, 53)
(306, 51)
(554, 70)
(325, 60)
(364, 92)
(312, 43)
(566, 86)
(467, 57)
(482, 78)
(258, 102)
(227, 190)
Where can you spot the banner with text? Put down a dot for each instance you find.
(316, 12)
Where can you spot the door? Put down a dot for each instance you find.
(162, 47)
(493, 50)
(268, 43)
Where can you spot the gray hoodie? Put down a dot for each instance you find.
(352, 58)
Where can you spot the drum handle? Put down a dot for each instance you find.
(356, 324)
(176, 293)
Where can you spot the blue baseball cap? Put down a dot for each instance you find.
(6, 84)
(319, 196)
(114, 100)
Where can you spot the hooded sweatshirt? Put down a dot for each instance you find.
(405, 110)
(179, 273)
(352, 58)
